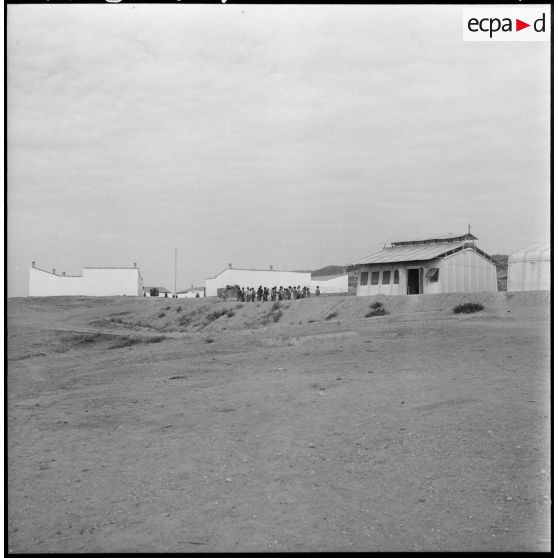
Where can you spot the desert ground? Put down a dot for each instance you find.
(164, 425)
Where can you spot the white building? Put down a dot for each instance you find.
(95, 281)
(194, 292)
(529, 269)
(161, 292)
(274, 278)
(444, 264)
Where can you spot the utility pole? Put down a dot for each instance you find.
(175, 273)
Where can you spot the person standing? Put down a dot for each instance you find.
(318, 290)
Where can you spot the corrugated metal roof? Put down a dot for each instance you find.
(534, 252)
(410, 253)
(438, 238)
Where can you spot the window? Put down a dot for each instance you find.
(364, 278)
(432, 274)
(386, 277)
(374, 277)
(396, 277)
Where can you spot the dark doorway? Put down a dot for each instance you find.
(413, 281)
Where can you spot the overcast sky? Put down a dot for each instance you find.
(297, 136)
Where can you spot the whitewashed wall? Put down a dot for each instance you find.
(388, 289)
(190, 294)
(529, 276)
(255, 278)
(93, 282)
(335, 285)
(467, 272)
(529, 269)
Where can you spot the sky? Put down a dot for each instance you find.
(257, 135)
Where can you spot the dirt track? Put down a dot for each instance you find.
(420, 430)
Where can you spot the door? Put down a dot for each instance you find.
(413, 281)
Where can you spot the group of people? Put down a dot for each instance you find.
(263, 294)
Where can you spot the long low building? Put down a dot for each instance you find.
(160, 292)
(95, 281)
(443, 264)
(194, 292)
(274, 278)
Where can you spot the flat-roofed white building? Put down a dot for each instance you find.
(274, 278)
(529, 269)
(256, 277)
(95, 281)
(442, 264)
(160, 292)
(194, 292)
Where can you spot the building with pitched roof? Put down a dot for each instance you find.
(439, 264)
(95, 281)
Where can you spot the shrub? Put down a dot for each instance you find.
(184, 320)
(276, 306)
(276, 316)
(311, 321)
(208, 340)
(230, 313)
(216, 315)
(468, 308)
(130, 341)
(331, 316)
(376, 309)
(161, 315)
(179, 308)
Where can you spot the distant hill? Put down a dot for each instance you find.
(328, 271)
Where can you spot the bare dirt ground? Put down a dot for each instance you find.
(200, 426)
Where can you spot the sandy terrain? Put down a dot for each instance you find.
(134, 425)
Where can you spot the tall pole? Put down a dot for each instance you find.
(175, 273)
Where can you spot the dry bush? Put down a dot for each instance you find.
(185, 320)
(376, 309)
(130, 341)
(468, 308)
(215, 315)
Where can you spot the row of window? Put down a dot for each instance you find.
(375, 277)
(431, 274)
